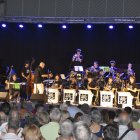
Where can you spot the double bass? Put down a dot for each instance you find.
(30, 79)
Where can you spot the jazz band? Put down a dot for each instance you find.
(93, 78)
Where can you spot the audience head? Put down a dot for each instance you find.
(32, 132)
(128, 110)
(77, 116)
(39, 107)
(111, 115)
(81, 131)
(13, 124)
(96, 116)
(3, 118)
(124, 118)
(5, 107)
(66, 129)
(43, 118)
(63, 107)
(111, 132)
(85, 108)
(86, 119)
(135, 116)
(64, 115)
(55, 115)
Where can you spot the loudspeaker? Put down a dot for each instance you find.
(3, 95)
(39, 97)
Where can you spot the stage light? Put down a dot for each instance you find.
(3, 25)
(130, 27)
(111, 26)
(64, 26)
(40, 25)
(21, 26)
(89, 26)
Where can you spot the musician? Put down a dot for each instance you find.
(130, 71)
(131, 85)
(77, 58)
(95, 69)
(14, 92)
(25, 71)
(132, 88)
(38, 79)
(92, 85)
(109, 85)
(118, 82)
(101, 79)
(113, 69)
(73, 83)
(57, 82)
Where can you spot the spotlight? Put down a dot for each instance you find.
(130, 27)
(89, 26)
(111, 26)
(40, 26)
(21, 26)
(64, 26)
(3, 25)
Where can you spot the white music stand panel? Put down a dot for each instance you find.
(106, 98)
(125, 99)
(85, 96)
(69, 95)
(53, 95)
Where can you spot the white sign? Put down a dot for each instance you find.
(106, 99)
(69, 95)
(53, 95)
(125, 99)
(85, 96)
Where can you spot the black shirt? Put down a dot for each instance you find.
(38, 75)
(26, 72)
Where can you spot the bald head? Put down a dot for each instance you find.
(42, 65)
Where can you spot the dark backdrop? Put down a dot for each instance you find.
(56, 46)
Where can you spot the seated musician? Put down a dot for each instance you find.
(57, 82)
(91, 85)
(73, 83)
(101, 79)
(118, 82)
(131, 86)
(109, 85)
(14, 92)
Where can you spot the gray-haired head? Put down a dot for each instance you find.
(96, 116)
(63, 107)
(43, 117)
(81, 131)
(66, 128)
(86, 119)
(55, 115)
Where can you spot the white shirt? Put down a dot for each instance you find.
(131, 135)
(11, 136)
